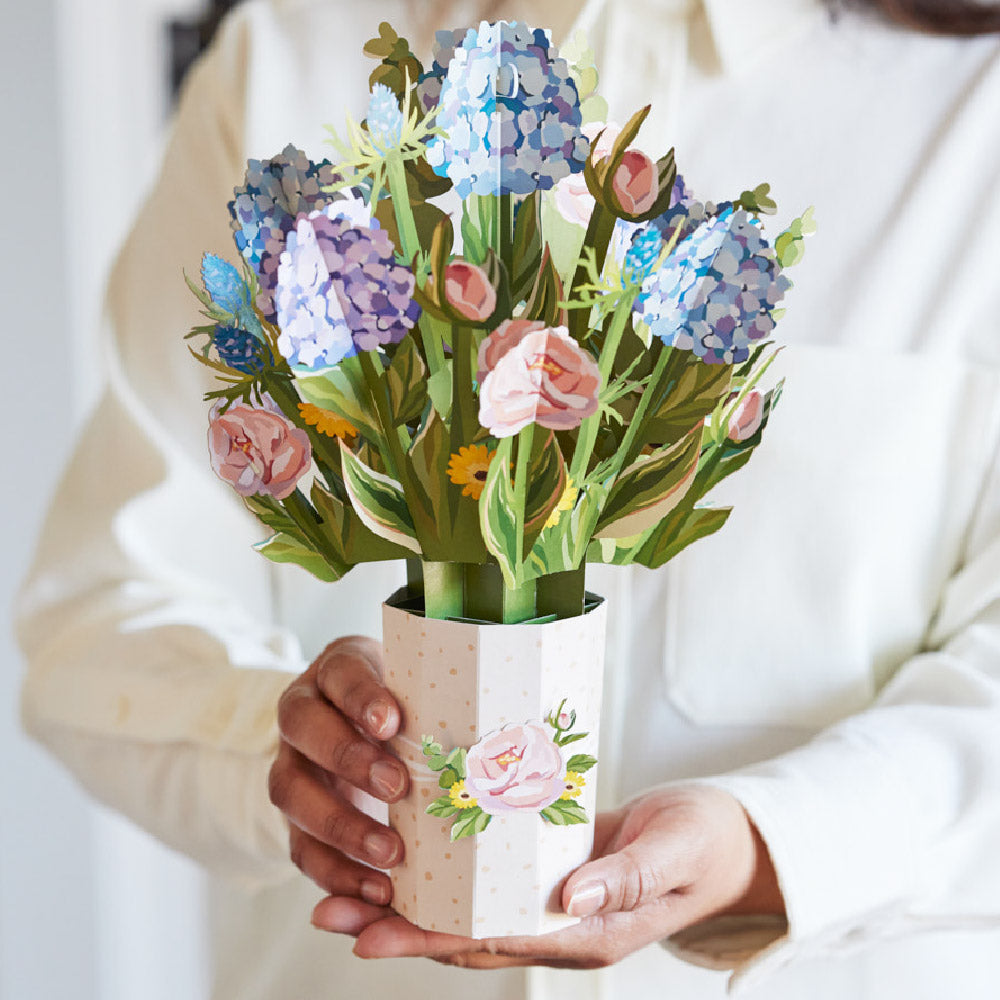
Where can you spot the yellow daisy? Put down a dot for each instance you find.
(573, 786)
(461, 797)
(327, 422)
(566, 502)
(469, 467)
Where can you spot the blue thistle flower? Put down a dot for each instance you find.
(385, 119)
(238, 349)
(647, 244)
(228, 290)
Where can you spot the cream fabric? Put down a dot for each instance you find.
(864, 549)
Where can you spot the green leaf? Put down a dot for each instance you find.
(474, 245)
(343, 390)
(345, 532)
(694, 395)
(379, 502)
(431, 747)
(442, 807)
(439, 390)
(456, 761)
(544, 302)
(496, 514)
(565, 812)
(283, 548)
(650, 488)
(564, 547)
(527, 247)
(546, 485)
(473, 821)
(407, 382)
(566, 739)
(668, 539)
(270, 512)
(580, 762)
(448, 777)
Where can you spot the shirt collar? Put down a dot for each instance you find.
(747, 31)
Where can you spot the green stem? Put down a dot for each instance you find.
(301, 511)
(463, 400)
(599, 232)
(395, 171)
(443, 589)
(505, 236)
(524, 440)
(433, 346)
(638, 422)
(588, 429)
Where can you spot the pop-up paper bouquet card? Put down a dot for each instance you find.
(499, 340)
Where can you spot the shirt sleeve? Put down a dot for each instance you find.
(887, 823)
(152, 672)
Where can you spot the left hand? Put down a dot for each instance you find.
(663, 862)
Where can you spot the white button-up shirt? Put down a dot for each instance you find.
(843, 630)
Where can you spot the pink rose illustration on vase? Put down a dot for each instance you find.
(517, 768)
(546, 378)
(258, 451)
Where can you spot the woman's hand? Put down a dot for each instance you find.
(332, 720)
(664, 862)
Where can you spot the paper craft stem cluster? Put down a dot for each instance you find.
(556, 370)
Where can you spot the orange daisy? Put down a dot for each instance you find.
(327, 422)
(468, 469)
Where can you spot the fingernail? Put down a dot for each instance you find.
(374, 892)
(377, 716)
(381, 848)
(386, 779)
(587, 899)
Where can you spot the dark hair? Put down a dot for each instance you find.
(943, 17)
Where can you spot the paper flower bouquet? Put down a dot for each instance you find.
(499, 340)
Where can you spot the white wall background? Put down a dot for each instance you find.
(90, 909)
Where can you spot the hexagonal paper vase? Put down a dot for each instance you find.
(499, 733)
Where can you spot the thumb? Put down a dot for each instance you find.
(658, 860)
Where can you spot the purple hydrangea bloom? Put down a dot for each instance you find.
(718, 290)
(510, 113)
(340, 291)
(238, 349)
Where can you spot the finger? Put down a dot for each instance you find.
(341, 915)
(660, 859)
(334, 873)
(320, 733)
(349, 674)
(299, 789)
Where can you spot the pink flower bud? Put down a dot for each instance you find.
(469, 291)
(636, 183)
(746, 421)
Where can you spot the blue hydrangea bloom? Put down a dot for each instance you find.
(429, 85)
(385, 119)
(238, 349)
(647, 244)
(340, 290)
(510, 113)
(274, 193)
(228, 290)
(717, 291)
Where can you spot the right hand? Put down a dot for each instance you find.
(333, 720)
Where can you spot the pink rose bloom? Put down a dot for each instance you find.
(469, 291)
(636, 183)
(500, 341)
(746, 421)
(258, 451)
(546, 378)
(515, 768)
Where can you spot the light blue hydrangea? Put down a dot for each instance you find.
(717, 291)
(509, 111)
(647, 244)
(429, 85)
(385, 119)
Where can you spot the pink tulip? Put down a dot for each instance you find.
(746, 421)
(500, 341)
(636, 183)
(469, 291)
(258, 451)
(546, 378)
(517, 768)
